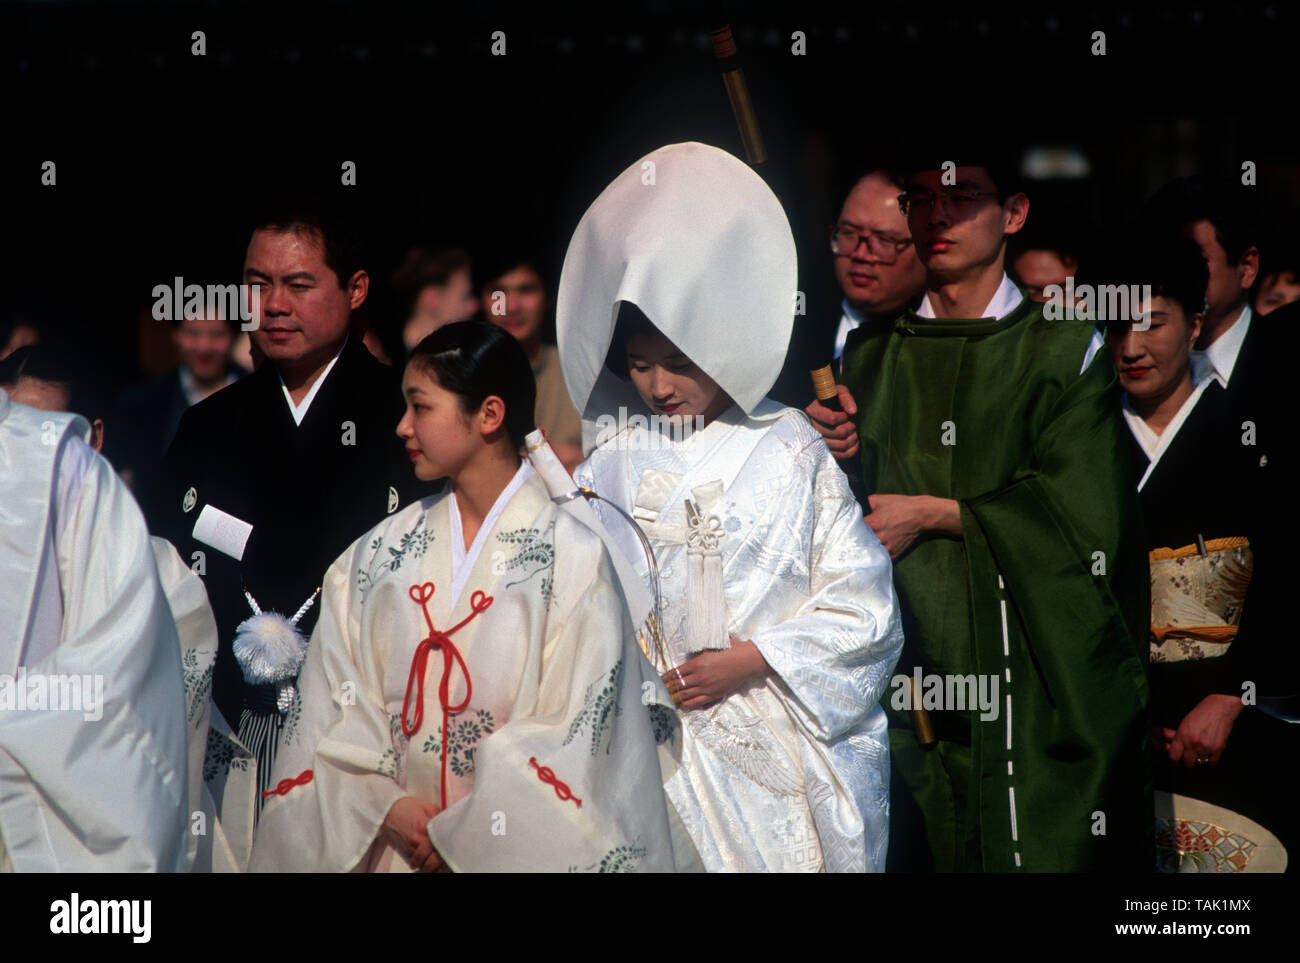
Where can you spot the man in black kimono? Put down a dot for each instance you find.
(271, 479)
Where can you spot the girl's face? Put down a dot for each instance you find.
(670, 383)
(440, 438)
(1151, 363)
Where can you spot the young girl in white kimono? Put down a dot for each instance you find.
(473, 697)
(779, 618)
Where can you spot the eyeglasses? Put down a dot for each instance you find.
(922, 202)
(885, 248)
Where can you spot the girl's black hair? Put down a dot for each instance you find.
(475, 359)
(631, 322)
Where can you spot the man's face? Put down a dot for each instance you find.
(1228, 282)
(959, 229)
(205, 344)
(304, 312)
(1151, 363)
(520, 295)
(1276, 290)
(870, 284)
(1039, 268)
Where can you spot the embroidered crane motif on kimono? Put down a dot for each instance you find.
(747, 745)
(599, 708)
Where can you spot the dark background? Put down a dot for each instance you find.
(161, 154)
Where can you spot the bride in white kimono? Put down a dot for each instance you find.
(779, 617)
(473, 697)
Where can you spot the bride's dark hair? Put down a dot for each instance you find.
(475, 359)
(631, 322)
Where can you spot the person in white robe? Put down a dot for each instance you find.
(216, 759)
(779, 618)
(93, 774)
(474, 678)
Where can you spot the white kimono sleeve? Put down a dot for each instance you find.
(573, 780)
(837, 651)
(102, 789)
(334, 764)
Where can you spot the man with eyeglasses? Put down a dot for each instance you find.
(875, 264)
(992, 439)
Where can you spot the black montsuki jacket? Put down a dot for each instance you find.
(308, 490)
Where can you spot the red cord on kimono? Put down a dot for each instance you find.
(441, 641)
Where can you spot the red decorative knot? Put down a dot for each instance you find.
(441, 641)
(547, 775)
(284, 785)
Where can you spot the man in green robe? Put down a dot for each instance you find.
(994, 441)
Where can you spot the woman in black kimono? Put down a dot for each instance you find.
(1202, 509)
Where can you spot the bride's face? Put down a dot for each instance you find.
(670, 383)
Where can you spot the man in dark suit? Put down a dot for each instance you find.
(270, 479)
(148, 414)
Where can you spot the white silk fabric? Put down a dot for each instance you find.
(557, 759)
(792, 772)
(79, 794)
(696, 240)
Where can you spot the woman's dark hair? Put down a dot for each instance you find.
(475, 359)
(631, 322)
(1171, 264)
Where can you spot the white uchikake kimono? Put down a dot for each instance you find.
(86, 789)
(790, 773)
(555, 727)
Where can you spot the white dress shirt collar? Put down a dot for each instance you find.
(1005, 300)
(850, 320)
(1218, 360)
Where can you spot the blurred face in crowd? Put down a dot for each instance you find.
(671, 384)
(959, 230)
(304, 312)
(1153, 363)
(450, 302)
(516, 301)
(1276, 290)
(1039, 268)
(205, 345)
(879, 273)
(1228, 282)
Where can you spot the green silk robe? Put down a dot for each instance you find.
(995, 414)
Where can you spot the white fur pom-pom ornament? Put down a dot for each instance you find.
(269, 648)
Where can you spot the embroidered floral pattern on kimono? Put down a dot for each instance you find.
(292, 716)
(463, 736)
(620, 859)
(198, 683)
(536, 552)
(599, 707)
(413, 543)
(221, 755)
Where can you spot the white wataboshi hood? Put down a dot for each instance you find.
(696, 240)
